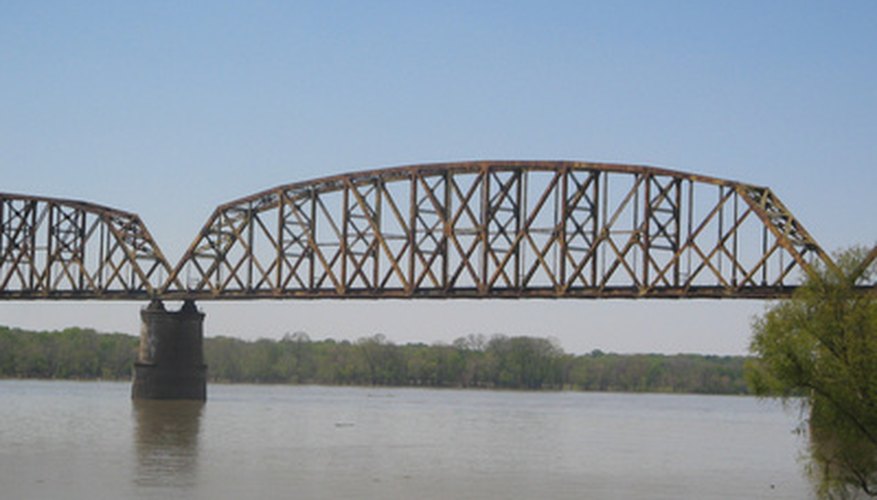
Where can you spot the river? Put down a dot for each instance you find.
(86, 440)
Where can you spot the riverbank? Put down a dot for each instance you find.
(475, 361)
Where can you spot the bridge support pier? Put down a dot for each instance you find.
(170, 362)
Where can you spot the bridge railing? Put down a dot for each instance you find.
(501, 229)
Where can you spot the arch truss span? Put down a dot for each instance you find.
(501, 229)
(64, 249)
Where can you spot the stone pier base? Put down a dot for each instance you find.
(170, 363)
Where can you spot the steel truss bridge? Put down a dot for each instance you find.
(503, 229)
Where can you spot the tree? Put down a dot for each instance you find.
(383, 360)
(525, 362)
(820, 348)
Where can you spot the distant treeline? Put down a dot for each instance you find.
(498, 361)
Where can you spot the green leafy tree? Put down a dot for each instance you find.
(820, 348)
(472, 361)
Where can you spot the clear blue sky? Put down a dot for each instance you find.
(170, 108)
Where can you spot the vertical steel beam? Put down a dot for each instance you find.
(312, 227)
(345, 220)
(520, 211)
(81, 246)
(645, 241)
(32, 244)
(721, 229)
(600, 232)
(690, 239)
(736, 257)
(102, 253)
(249, 255)
(446, 214)
(412, 232)
(377, 236)
(51, 235)
(280, 250)
(764, 253)
(560, 228)
(677, 218)
(484, 219)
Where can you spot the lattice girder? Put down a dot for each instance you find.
(54, 248)
(501, 229)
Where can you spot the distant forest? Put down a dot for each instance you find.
(497, 362)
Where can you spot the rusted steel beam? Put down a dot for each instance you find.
(501, 229)
(392, 174)
(763, 293)
(52, 248)
(506, 229)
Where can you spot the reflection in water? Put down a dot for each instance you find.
(166, 439)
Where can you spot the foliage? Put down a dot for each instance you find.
(474, 361)
(70, 353)
(820, 347)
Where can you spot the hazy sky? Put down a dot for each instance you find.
(168, 109)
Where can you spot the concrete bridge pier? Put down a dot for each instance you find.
(170, 362)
